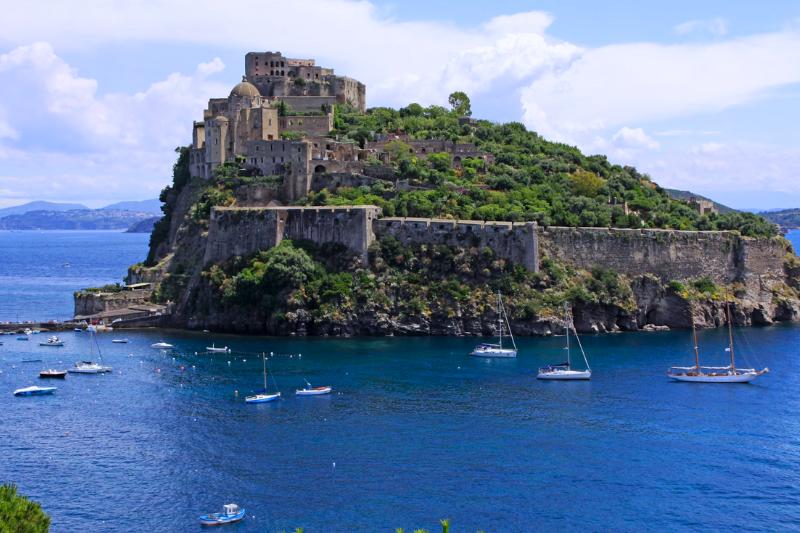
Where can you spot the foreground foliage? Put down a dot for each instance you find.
(20, 515)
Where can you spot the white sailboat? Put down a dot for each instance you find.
(497, 350)
(264, 396)
(715, 374)
(91, 367)
(564, 371)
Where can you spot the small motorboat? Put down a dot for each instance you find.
(53, 374)
(119, 341)
(213, 348)
(230, 513)
(52, 341)
(89, 367)
(162, 346)
(31, 360)
(314, 391)
(79, 330)
(34, 391)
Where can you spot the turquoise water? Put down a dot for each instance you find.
(794, 237)
(36, 284)
(416, 431)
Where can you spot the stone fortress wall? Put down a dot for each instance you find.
(725, 257)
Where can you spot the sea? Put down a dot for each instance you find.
(415, 431)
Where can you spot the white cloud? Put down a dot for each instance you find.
(634, 138)
(717, 27)
(633, 83)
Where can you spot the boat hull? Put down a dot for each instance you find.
(745, 377)
(494, 353)
(34, 391)
(565, 375)
(262, 398)
(54, 344)
(319, 391)
(53, 375)
(216, 520)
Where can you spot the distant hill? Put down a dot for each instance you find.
(143, 226)
(687, 195)
(39, 206)
(141, 206)
(785, 218)
(85, 219)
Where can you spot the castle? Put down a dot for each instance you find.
(278, 120)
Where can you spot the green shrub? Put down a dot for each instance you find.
(20, 515)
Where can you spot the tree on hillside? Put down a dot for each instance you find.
(459, 102)
(20, 515)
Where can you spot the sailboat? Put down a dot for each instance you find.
(715, 374)
(91, 367)
(264, 396)
(497, 350)
(564, 371)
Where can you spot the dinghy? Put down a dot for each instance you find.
(263, 396)
(564, 371)
(162, 346)
(497, 350)
(230, 513)
(34, 391)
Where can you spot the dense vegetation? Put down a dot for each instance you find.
(531, 178)
(433, 282)
(786, 218)
(20, 515)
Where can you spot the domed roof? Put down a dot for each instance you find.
(245, 88)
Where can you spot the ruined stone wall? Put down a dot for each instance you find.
(309, 103)
(310, 125)
(243, 231)
(514, 242)
(671, 255)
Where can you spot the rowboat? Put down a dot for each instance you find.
(50, 373)
(34, 391)
(230, 513)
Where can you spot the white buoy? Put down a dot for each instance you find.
(334, 464)
(229, 363)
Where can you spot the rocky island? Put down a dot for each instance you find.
(298, 211)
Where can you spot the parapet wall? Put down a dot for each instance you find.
(515, 242)
(669, 254)
(242, 231)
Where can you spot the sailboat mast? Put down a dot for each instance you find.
(730, 333)
(264, 361)
(566, 332)
(499, 319)
(694, 337)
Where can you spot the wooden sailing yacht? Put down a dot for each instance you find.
(715, 374)
(564, 371)
(497, 350)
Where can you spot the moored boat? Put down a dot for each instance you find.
(119, 341)
(214, 348)
(715, 374)
(230, 513)
(497, 350)
(313, 391)
(52, 341)
(89, 367)
(564, 371)
(263, 396)
(162, 345)
(34, 391)
(52, 373)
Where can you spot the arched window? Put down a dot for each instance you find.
(319, 169)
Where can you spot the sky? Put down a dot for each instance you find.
(705, 96)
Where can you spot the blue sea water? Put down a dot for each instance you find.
(39, 270)
(794, 237)
(415, 431)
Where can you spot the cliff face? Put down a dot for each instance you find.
(363, 275)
